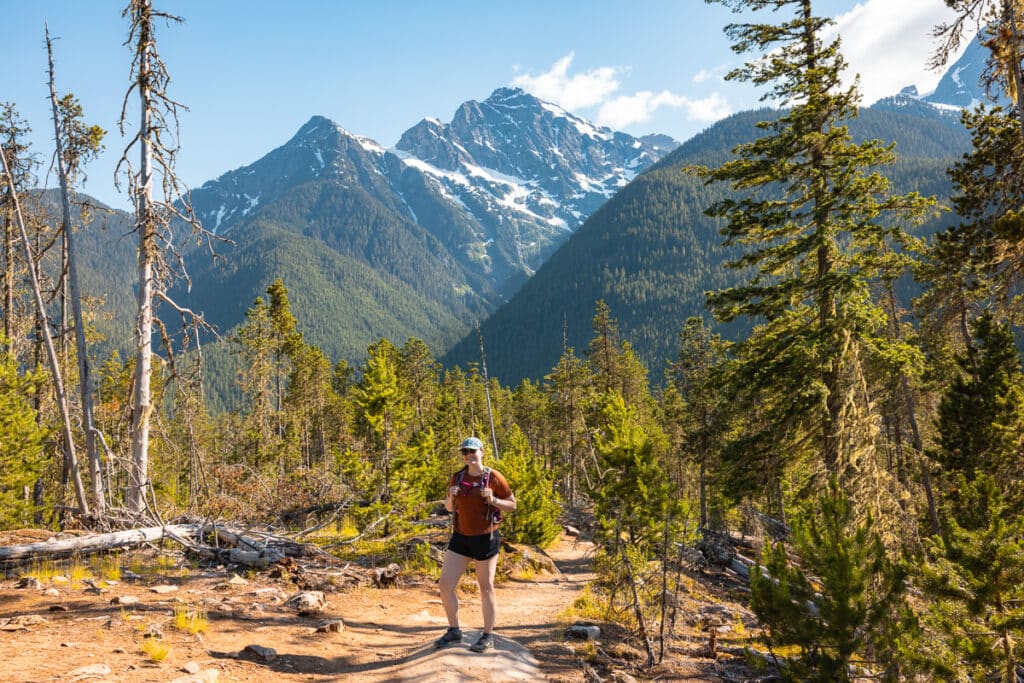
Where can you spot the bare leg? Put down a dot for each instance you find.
(452, 569)
(485, 579)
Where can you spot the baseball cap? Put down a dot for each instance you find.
(472, 442)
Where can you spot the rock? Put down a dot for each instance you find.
(267, 654)
(571, 531)
(125, 600)
(119, 650)
(58, 608)
(620, 677)
(693, 557)
(715, 617)
(308, 602)
(60, 579)
(237, 580)
(21, 622)
(332, 626)
(191, 668)
(51, 593)
(30, 582)
(386, 576)
(583, 631)
(91, 671)
(163, 589)
(525, 557)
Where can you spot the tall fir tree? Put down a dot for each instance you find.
(818, 223)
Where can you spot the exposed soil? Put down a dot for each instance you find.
(66, 632)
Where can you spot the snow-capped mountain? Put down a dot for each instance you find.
(501, 186)
(959, 88)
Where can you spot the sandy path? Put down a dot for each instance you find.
(388, 634)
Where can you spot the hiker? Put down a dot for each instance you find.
(477, 495)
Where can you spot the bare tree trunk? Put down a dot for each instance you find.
(58, 384)
(9, 281)
(85, 381)
(142, 406)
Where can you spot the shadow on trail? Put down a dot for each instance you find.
(508, 661)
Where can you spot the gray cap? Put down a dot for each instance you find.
(472, 442)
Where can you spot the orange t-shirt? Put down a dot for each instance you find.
(473, 517)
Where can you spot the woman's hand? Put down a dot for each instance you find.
(487, 494)
(453, 491)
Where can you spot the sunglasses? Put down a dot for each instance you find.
(467, 451)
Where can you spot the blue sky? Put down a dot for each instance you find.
(253, 71)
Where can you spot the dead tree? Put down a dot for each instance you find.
(70, 458)
(159, 261)
(85, 378)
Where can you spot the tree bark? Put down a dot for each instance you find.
(70, 458)
(85, 381)
(142, 406)
(94, 544)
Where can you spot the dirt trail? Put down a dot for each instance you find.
(388, 634)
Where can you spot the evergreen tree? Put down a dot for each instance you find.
(842, 605)
(981, 415)
(819, 223)
(535, 520)
(974, 578)
(631, 492)
(386, 412)
(21, 445)
(571, 393)
(254, 340)
(693, 377)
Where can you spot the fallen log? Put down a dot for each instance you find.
(84, 545)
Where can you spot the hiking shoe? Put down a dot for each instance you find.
(452, 636)
(484, 642)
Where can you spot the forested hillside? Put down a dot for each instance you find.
(651, 253)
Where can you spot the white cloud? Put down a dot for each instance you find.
(626, 110)
(578, 91)
(595, 88)
(714, 73)
(890, 43)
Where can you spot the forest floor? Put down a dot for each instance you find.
(74, 629)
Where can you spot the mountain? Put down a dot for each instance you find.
(526, 172)
(961, 85)
(419, 240)
(499, 188)
(651, 254)
(959, 88)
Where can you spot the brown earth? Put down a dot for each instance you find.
(73, 632)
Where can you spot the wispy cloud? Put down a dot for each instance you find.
(626, 110)
(889, 44)
(578, 91)
(705, 75)
(598, 88)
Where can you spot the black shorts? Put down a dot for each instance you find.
(477, 547)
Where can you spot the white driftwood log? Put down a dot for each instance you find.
(93, 544)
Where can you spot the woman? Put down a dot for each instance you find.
(477, 495)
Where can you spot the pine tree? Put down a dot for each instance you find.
(981, 415)
(535, 519)
(819, 223)
(842, 605)
(386, 411)
(693, 376)
(21, 444)
(974, 578)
